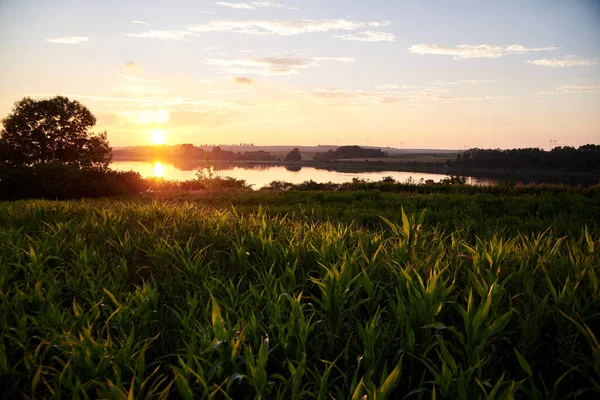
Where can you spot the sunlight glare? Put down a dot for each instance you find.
(159, 169)
(158, 136)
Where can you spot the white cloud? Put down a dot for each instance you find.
(253, 5)
(205, 80)
(268, 66)
(163, 34)
(369, 36)
(567, 61)
(68, 39)
(245, 6)
(466, 51)
(283, 27)
(137, 21)
(574, 89)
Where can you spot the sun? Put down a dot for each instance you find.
(158, 136)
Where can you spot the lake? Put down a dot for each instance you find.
(262, 175)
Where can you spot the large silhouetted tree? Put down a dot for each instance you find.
(55, 130)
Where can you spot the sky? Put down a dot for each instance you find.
(414, 74)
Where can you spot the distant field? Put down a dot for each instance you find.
(426, 158)
(302, 295)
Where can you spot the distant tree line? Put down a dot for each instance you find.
(565, 158)
(344, 152)
(227, 145)
(189, 151)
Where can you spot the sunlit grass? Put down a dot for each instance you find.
(110, 299)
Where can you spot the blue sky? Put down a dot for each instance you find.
(438, 74)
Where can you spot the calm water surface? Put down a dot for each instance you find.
(262, 175)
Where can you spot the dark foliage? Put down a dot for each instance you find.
(293, 156)
(60, 181)
(349, 152)
(189, 151)
(584, 158)
(55, 130)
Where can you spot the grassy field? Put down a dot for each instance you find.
(296, 295)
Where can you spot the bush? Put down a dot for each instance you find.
(59, 181)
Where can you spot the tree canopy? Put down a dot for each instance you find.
(343, 152)
(55, 130)
(293, 155)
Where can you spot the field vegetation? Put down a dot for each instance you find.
(293, 294)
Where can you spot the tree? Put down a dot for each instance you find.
(294, 155)
(55, 130)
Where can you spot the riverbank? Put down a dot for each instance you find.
(359, 166)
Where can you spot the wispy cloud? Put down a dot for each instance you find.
(140, 89)
(133, 78)
(268, 66)
(137, 21)
(68, 39)
(369, 36)
(245, 6)
(242, 80)
(567, 61)
(228, 91)
(467, 51)
(253, 5)
(147, 117)
(282, 27)
(418, 96)
(396, 87)
(151, 101)
(163, 34)
(574, 89)
(461, 82)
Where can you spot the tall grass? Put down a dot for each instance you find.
(154, 300)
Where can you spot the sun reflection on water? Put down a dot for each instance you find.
(260, 177)
(159, 169)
